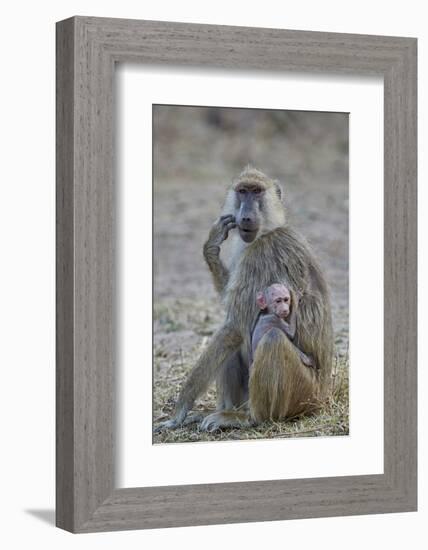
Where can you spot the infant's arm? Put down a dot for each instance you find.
(264, 324)
(306, 359)
(290, 332)
(289, 329)
(270, 320)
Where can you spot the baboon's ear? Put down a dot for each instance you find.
(278, 190)
(261, 300)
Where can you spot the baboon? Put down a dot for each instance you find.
(278, 310)
(266, 250)
(293, 393)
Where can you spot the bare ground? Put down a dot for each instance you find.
(194, 159)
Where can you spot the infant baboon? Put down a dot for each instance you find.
(278, 310)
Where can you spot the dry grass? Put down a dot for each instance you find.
(332, 419)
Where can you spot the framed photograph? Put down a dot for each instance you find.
(236, 274)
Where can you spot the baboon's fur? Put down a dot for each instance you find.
(282, 255)
(280, 385)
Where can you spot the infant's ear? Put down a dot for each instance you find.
(261, 300)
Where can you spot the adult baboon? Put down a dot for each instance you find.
(266, 250)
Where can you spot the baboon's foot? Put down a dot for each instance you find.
(194, 418)
(171, 424)
(175, 423)
(226, 419)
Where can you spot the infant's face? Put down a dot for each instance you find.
(278, 300)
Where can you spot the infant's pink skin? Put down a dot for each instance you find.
(275, 299)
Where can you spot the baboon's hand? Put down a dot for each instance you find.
(220, 230)
(299, 294)
(306, 360)
(296, 297)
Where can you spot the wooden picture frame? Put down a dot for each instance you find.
(87, 50)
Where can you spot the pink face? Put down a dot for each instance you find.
(275, 299)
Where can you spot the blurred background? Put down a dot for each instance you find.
(197, 151)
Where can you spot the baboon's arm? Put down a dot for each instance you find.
(219, 272)
(225, 342)
(306, 359)
(289, 329)
(216, 237)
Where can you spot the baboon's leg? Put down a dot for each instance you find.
(280, 385)
(232, 392)
(225, 343)
(232, 383)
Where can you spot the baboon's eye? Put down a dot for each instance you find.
(242, 191)
(257, 191)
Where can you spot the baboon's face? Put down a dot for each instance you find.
(278, 300)
(249, 199)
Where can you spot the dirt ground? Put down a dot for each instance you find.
(196, 153)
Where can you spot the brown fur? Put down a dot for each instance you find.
(280, 385)
(291, 262)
